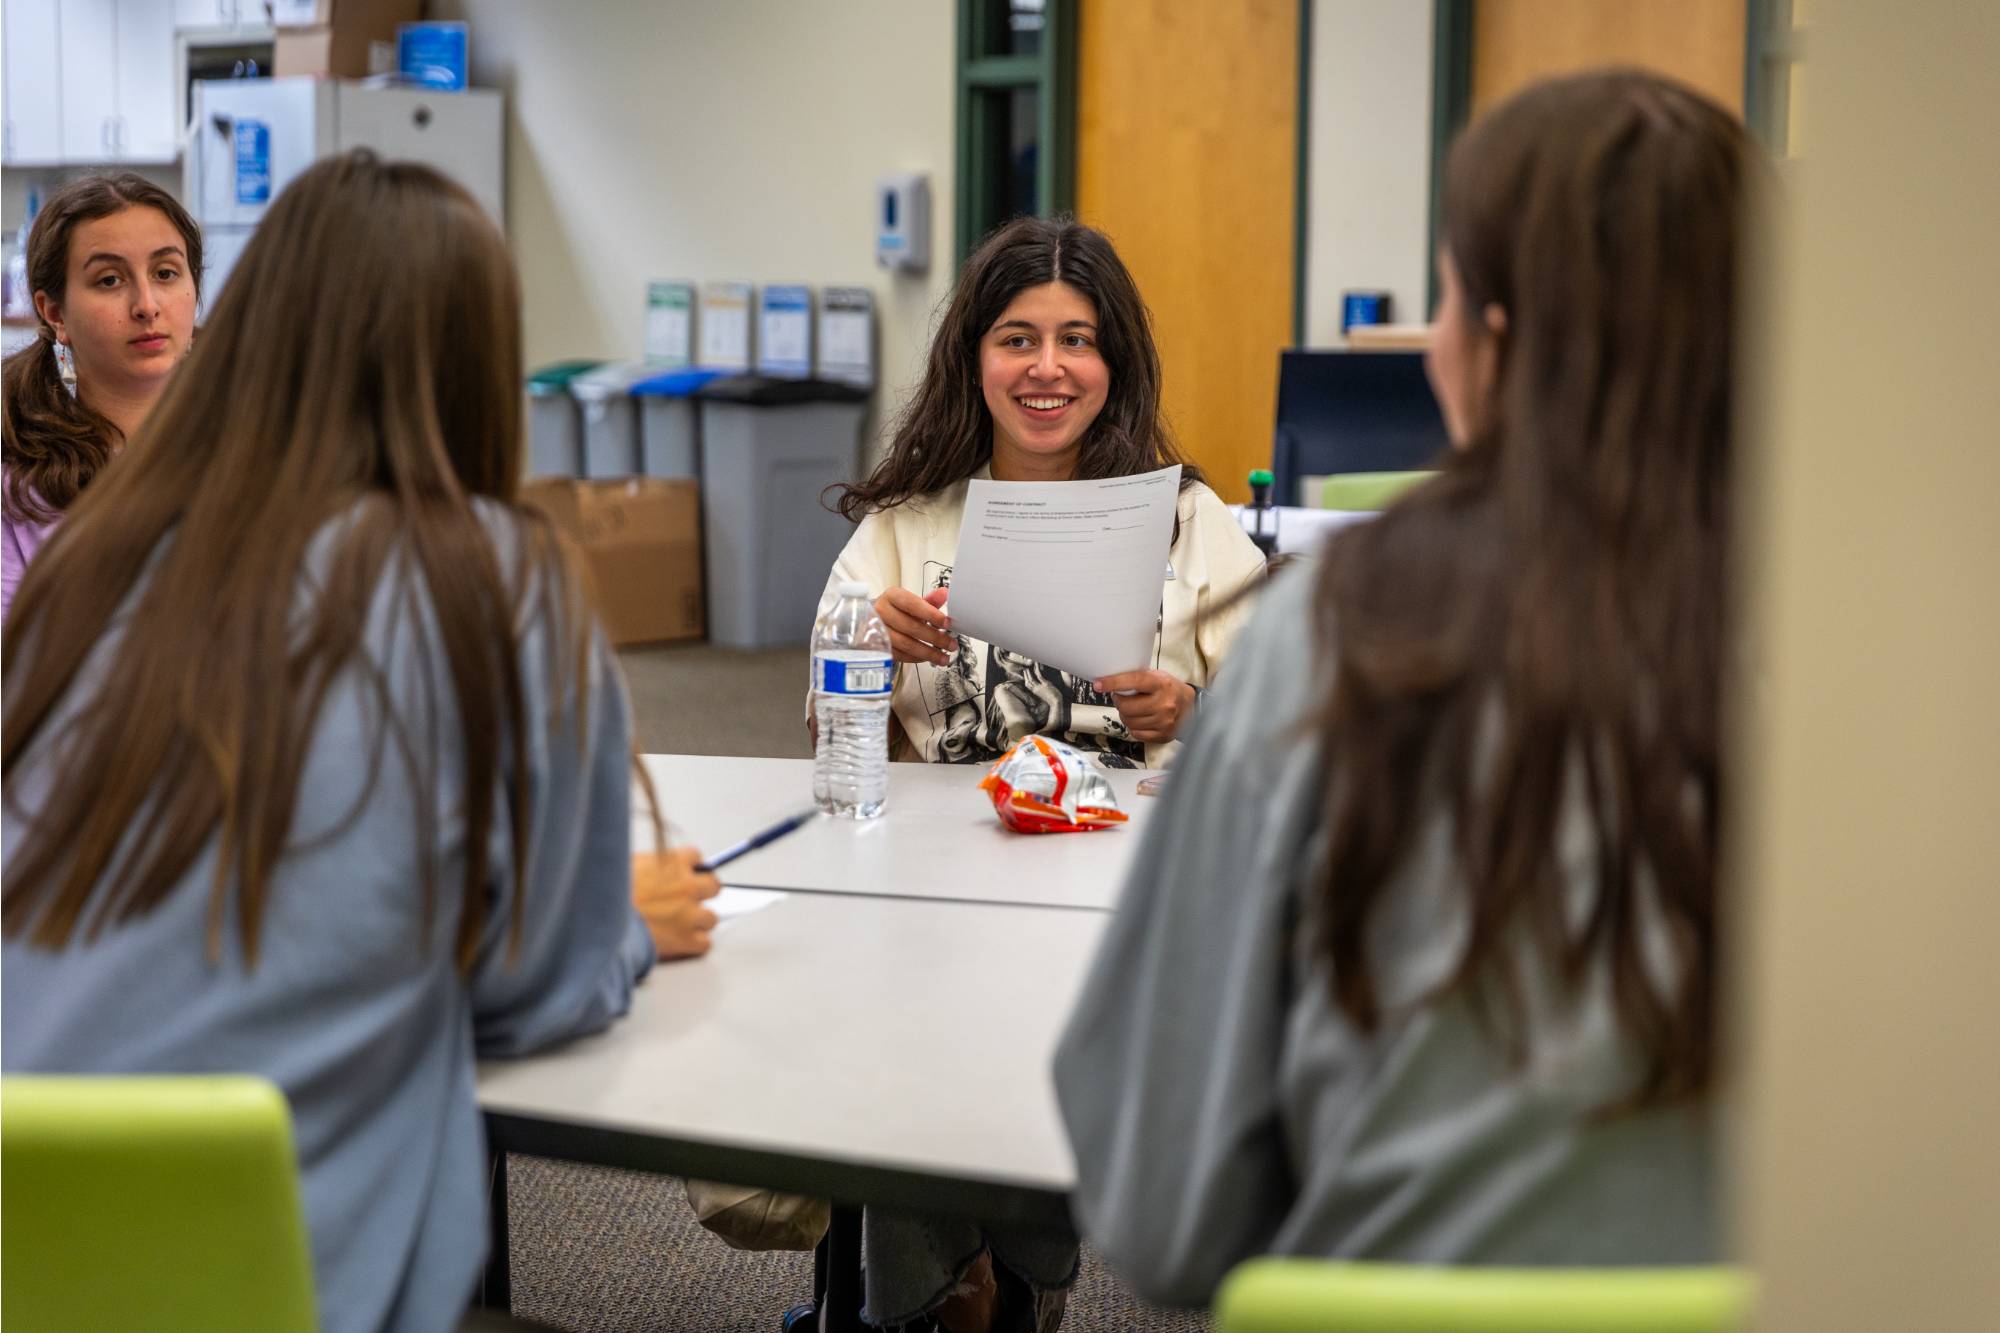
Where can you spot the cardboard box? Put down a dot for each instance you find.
(641, 545)
(336, 45)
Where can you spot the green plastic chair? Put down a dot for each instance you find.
(1361, 492)
(151, 1205)
(1294, 1295)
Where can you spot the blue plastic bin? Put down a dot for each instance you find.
(670, 423)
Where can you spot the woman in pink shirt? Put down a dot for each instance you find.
(115, 264)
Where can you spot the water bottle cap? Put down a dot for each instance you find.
(853, 588)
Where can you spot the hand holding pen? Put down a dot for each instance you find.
(670, 890)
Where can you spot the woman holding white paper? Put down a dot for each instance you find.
(1043, 369)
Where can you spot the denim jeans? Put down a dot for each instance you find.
(914, 1261)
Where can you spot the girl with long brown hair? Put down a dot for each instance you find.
(1043, 368)
(315, 761)
(1421, 960)
(115, 266)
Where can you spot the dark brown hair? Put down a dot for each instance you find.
(363, 363)
(54, 444)
(945, 431)
(1547, 616)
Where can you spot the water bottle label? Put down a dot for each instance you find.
(853, 673)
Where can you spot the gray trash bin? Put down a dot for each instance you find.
(669, 422)
(610, 418)
(555, 431)
(769, 448)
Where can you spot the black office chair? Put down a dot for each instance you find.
(1352, 412)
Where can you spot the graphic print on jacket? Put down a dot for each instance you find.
(988, 698)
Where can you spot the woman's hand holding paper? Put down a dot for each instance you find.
(918, 627)
(1152, 704)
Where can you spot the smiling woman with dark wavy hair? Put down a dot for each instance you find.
(1421, 961)
(1043, 368)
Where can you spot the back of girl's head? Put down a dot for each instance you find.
(368, 338)
(1601, 213)
(54, 445)
(362, 364)
(1553, 602)
(945, 432)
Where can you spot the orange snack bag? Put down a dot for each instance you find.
(1046, 786)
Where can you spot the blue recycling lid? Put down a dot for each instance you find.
(676, 383)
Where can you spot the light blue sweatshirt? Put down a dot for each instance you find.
(359, 1015)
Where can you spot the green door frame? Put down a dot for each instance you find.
(1451, 107)
(1052, 74)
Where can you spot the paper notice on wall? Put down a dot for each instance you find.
(784, 332)
(1069, 573)
(669, 324)
(847, 335)
(725, 326)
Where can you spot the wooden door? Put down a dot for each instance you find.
(1186, 156)
(1515, 42)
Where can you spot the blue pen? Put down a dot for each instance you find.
(756, 840)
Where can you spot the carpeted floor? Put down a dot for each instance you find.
(697, 699)
(599, 1251)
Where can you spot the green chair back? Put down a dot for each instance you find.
(1294, 1295)
(149, 1204)
(1359, 492)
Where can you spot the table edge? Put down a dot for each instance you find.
(847, 1182)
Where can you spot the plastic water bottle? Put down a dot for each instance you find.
(852, 675)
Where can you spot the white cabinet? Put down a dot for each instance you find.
(31, 87)
(148, 128)
(218, 13)
(89, 81)
(88, 67)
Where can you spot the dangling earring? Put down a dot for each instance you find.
(66, 367)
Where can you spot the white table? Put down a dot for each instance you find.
(877, 1050)
(936, 838)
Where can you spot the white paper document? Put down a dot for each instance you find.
(1069, 573)
(733, 904)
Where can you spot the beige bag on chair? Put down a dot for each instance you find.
(759, 1219)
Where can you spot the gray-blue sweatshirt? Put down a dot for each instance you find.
(364, 1021)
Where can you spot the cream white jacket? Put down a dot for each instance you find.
(973, 709)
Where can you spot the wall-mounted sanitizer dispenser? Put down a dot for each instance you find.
(903, 222)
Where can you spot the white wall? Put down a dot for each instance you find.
(1870, 1175)
(737, 140)
(1368, 159)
